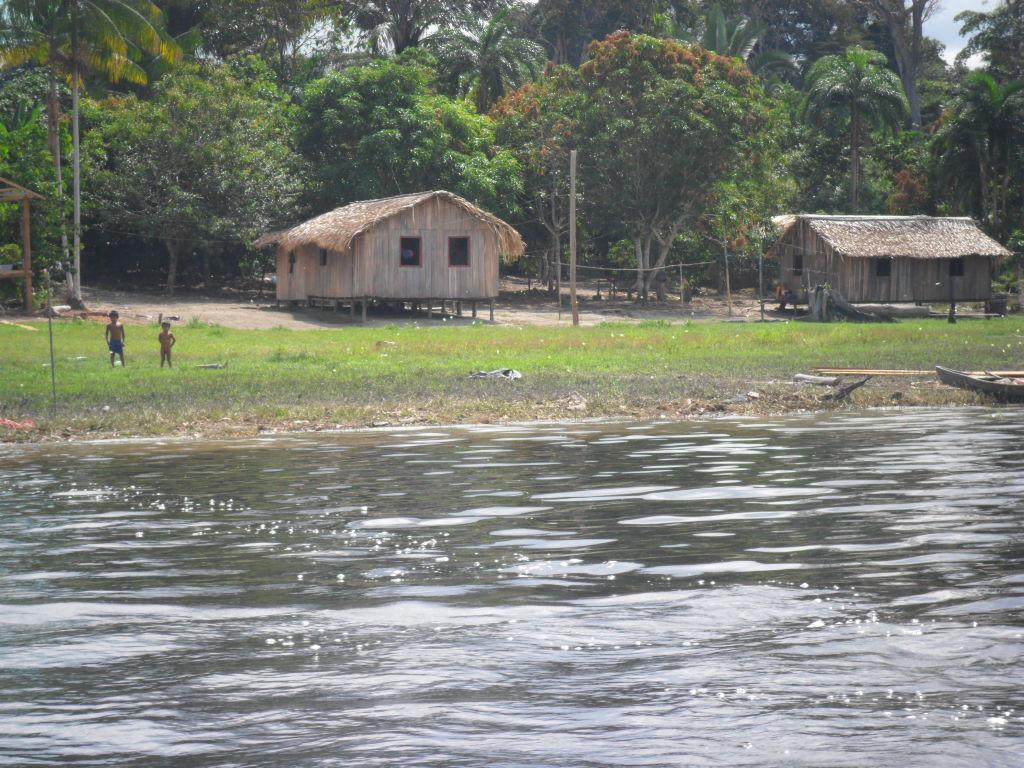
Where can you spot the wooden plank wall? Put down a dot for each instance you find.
(379, 275)
(911, 280)
(377, 272)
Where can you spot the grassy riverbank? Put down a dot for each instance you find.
(354, 376)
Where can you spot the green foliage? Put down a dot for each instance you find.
(382, 130)
(668, 131)
(858, 89)
(487, 59)
(206, 161)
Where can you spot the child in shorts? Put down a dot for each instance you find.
(115, 338)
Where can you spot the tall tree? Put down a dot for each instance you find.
(539, 125)
(204, 164)
(488, 59)
(395, 25)
(741, 37)
(382, 130)
(979, 148)
(73, 37)
(857, 87)
(567, 27)
(904, 19)
(998, 36)
(663, 127)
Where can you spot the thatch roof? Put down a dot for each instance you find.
(336, 229)
(913, 237)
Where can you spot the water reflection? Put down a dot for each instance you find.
(811, 591)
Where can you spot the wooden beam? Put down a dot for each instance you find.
(26, 252)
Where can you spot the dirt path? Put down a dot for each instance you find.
(515, 306)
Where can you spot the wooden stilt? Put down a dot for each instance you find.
(473, 308)
(458, 308)
(364, 308)
(352, 307)
(430, 309)
(492, 309)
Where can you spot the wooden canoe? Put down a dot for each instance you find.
(990, 384)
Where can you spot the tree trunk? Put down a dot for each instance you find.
(207, 276)
(172, 264)
(53, 137)
(855, 160)
(76, 165)
(639, 248)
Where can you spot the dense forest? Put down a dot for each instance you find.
(167, 137)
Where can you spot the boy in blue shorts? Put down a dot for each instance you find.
(115, 338)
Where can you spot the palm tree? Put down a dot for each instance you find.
(977, 141)
(488, 59)
(740, 37)
(70, 38)
(860, 87)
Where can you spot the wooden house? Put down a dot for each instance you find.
(15, 193)
(420, 248)
(886, 259)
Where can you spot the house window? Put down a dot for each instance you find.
(883, 267)
(956, 267)
(323, 257)
(798, 263)
(291, 262)
(458, 251)
(409, 252)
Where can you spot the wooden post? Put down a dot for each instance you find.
(572, 239)
(473, 305)
(49, 325)
(364, 308)
(458, 308)
(682, 291)
(492, 310)
(430, 309)
(760, 283)
(952, 299)
(728, 289)
(26, 252)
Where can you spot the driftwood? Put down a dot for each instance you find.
(509, 374)
(843, 393)
(213, 366)
(821, 381)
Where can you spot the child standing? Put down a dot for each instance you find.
(167, 341)
(115, 338)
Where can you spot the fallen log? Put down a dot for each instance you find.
(821, 381)
(843, 393)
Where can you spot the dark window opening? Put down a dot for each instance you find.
(798, 263)
(883, 267)
(458, 251)
(956, 267)
(409, 255)
(323, 257)
(291, 262)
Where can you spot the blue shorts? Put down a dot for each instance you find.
(116, 346)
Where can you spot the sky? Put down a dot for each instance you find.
(942, 27)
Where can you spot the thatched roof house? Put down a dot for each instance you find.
(871, 259)
(425, 246)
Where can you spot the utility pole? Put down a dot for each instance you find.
(572, 239)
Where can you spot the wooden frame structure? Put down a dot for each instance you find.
(395, 250)
(14, 193)
(885, 259)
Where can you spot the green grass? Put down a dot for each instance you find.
(358, 375)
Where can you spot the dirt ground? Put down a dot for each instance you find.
(515, 306)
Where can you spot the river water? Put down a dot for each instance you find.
(818, 591)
